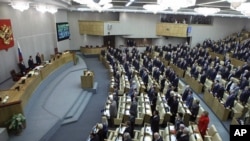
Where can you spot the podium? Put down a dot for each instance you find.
(87, 80)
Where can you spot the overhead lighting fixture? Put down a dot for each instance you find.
(83, 1)
(51, 9)
(176, 4)
(206, 10)
(20, 5)
(129, 3)
(244, 8)
(41, 8)
(154, 7)
(46, 8)
(235, 3)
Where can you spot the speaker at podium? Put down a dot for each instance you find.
(87, 80)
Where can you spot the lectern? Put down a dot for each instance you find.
(87, 80)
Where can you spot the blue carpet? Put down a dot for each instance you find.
(79, 131)
(50, 102)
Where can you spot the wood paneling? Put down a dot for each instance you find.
(91, 27)
(171, 29)
(18, 99)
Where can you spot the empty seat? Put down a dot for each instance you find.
(211, 130)
(14, 75)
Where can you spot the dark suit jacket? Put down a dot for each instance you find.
(183, 138)
(203, 78)
(154, 122)
(230, 101)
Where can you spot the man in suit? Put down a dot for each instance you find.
(112, 111)
(244, 96)
(185, 135)
(243, 83)
(203, 77)
(38, 59)
(189, 100)
(128, 128)
(230, 100)
(154, 122)
(133, 114)
(23, 68)
(31, 63)
(157, 137)
(186, 92)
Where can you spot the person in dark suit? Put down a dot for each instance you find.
(157, 137)
(194, 110)
(203, 77)
(185, 135)
(22, 68)
(133, 114)
(112, 111)
(178, 121)
(244, 96)
(154, 122)
(220, 92)
(186, 92)
(31, 63)
(230, 100)
(128, 128)
(174, 108)
(38, 59)
(243, 83)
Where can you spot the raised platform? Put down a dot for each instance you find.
(58, 100)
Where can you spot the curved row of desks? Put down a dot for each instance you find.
(91, 51)
(16, 98)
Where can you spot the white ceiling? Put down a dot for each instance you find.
(136, 6)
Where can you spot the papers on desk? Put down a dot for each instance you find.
(23, 78)
(148, 130)
(172, 138)
(147, 138)
(106, 113)
(127, 112)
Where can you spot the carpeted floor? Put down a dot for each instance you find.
(80, 130)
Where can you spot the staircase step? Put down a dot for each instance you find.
(75, 106)
(79, 110)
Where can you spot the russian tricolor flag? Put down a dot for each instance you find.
(20, 55)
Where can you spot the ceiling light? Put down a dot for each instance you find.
(20, 5)
(206, 11)
(41, 8)
(154, 7)
(243, 7)
(176, 4)
(83, 1)
(235, 3)
(51, 9)
(103, 2)
(107, 6)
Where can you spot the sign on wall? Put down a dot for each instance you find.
(6, 34)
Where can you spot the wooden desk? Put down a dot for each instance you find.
(87, 80)
(19, 99)
(92, 51)
(194, 84)
(209, 98)
(180, 72)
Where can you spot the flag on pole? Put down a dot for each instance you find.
(20, 55)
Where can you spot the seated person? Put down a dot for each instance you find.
(31, 63)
